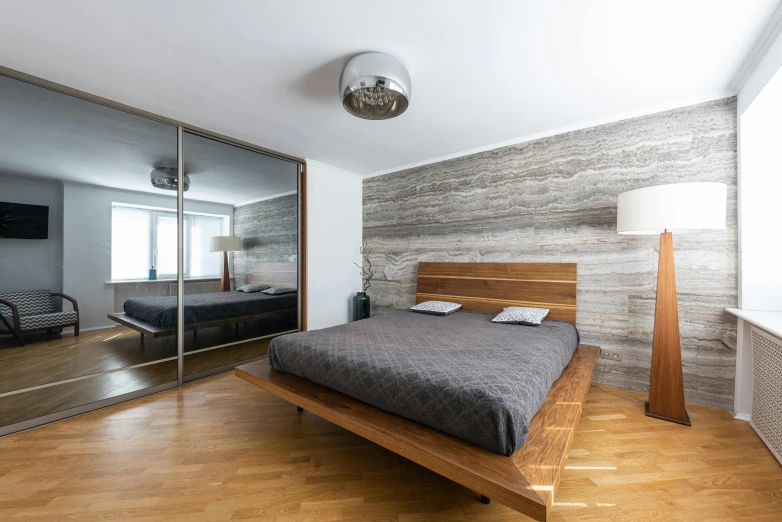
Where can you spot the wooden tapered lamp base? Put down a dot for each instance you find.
(225, 280)
(686, 420)
(666, 386)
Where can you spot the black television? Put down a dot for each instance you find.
(19, 221)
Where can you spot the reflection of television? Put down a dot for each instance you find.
(18, 221)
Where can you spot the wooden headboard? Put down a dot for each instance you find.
(276, 274)
(489, 287)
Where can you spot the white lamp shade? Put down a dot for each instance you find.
(681, 208)
(225, 244)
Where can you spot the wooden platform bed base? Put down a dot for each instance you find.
(526, 481)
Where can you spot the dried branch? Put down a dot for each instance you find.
(367, 273)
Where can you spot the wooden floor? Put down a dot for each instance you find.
(221, 449)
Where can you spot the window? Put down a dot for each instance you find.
(144, 237)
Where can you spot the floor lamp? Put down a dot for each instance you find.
(225, 244)
(682, 208)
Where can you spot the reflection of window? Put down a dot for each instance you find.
(145, 237)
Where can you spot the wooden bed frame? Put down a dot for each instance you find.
(527, 480)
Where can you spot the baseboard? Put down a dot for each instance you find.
(742, 417)
(96, 328)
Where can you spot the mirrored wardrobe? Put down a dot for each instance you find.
(115, 281)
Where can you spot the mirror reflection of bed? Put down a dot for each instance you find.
(214, 319)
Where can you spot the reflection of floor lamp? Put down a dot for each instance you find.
(225, 244)
(682, 208)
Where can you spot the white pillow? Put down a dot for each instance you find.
(436, 307)
(521, 315)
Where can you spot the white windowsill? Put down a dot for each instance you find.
(134, 281)
(768, 321)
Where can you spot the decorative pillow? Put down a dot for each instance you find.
(521, 315)
(436, 307)
(278, 290)
(252, 288)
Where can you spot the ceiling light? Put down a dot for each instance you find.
(166, 178)
(375, 86)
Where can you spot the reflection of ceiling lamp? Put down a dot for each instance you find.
(375, 86)
(166, 178)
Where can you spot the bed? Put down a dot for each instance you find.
(156, 316)
(506, 438)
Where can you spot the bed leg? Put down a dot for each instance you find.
(299, 409)
(485, 499)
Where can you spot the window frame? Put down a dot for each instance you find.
(155, 216)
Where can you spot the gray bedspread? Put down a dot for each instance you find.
(200, 308)
(461, 374)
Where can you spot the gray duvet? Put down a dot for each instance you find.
(461, 374)
(200, 308)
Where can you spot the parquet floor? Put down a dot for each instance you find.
(221, 449)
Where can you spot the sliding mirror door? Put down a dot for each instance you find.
(87, 255)
(241, 253)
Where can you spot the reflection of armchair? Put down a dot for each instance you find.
(33, 311)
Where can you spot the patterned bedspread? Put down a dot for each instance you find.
(200, 308)
(461, 374)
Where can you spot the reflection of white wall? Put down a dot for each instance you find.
(87, 243)
(334, 229)
(32, 264)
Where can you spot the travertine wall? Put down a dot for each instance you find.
(554, 200)
(269, 232)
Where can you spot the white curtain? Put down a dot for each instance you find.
(131, 243)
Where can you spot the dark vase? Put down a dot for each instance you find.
(360, 306)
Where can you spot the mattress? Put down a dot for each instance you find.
(201, 308)
(461, 374)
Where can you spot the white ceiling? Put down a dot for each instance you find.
(484, 72)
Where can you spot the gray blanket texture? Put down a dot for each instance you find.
(201, 308)
(461, 374)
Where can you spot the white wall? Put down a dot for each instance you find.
(761, 200)
(760, 184)
(87, 243)
(334, 231)
(760, 208)
(32, 264)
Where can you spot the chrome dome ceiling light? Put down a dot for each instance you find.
(166, 178)
(375, 86)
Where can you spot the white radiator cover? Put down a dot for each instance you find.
(201, 287)
(767, 390)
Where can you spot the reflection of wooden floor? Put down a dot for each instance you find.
(43, 401)
(48, 360)
(60, 357)
(221, 449)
